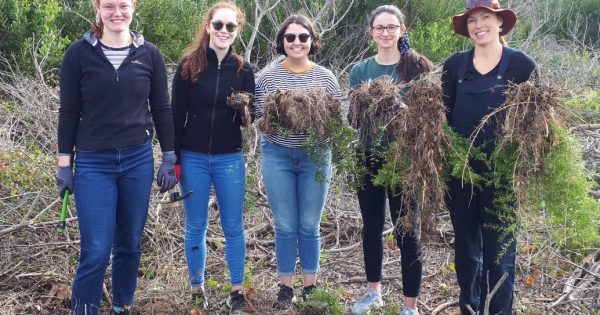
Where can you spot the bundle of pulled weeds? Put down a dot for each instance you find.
(375, 105)
(300, 111)
(526, 126)
(240, 102)
(419, 152)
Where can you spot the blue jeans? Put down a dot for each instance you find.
(296, 190)
(112, 192)
(227, 173)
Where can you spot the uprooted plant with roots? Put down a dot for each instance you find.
(375, 105)
(300, 111)
(541, 164)
(240, 102)
(414, 162)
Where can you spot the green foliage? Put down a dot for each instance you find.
(562, 191)
(391, 309)
(322, 301)
(574, 13)
(155, 19)
(588, 101)
(574, 216)
(391, 174)
(248, 274)
(29, 30)
(436, 39)
(24, 171)
(342, 141)
(456, 158)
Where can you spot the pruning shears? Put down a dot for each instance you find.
(175, 196)
(62, 219)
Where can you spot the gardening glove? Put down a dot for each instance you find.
(64, 180)
(165, 178)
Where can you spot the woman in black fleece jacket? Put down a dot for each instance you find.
(113, 85)
(208, 142)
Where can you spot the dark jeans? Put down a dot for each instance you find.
(112, 192)
(372, 207)
(482, 253)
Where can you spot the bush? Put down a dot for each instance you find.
(436, 40)
(574, 216)
(155, 19)
(29, 30)
(24, 171)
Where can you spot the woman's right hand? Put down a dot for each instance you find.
(64, 180)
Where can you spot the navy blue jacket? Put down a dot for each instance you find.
(203, 121)
(103, 108)
(520, 68)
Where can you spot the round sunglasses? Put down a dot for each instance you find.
(218, 25)
(290, 38)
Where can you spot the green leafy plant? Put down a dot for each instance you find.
(573, 215)
(323, 301)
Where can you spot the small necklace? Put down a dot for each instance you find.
(303, 71)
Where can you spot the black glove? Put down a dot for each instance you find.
(64, 180)
(165, 178)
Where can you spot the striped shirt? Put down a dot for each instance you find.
(115, 55)
(278, 78)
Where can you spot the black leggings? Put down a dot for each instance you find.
(372, 207)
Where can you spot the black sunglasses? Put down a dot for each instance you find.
(230, 27)
(290, 38)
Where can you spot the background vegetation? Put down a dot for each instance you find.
(37, 265)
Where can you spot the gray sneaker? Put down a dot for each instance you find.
(371, 300)
(409, 311)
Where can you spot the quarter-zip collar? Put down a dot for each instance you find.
(211, 55)
(137, 38)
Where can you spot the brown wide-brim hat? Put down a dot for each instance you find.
(459, 21)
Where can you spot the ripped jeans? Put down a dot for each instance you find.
(227, 173)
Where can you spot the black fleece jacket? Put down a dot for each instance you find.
(103, 108)
(203, 121)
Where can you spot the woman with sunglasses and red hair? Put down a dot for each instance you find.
(474, 83)
(208, 143)
(295, 195)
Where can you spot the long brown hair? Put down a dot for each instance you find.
(412, 65)
(97, 27)
(195, 55)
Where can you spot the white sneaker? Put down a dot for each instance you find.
(409, 311)
(371, 300)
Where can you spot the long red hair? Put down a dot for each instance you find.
(195, 55)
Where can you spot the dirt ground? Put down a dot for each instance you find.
(37, 265)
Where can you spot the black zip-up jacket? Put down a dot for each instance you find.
(103, 108)
(203, 121)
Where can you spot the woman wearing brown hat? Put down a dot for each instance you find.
(474, 82)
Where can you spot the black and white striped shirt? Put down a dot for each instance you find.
(278, 78)
(115, 55)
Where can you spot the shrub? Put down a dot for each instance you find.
(29, 30)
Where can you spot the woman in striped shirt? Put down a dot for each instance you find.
(296, 198)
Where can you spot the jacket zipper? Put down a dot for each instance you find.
(212, 119)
